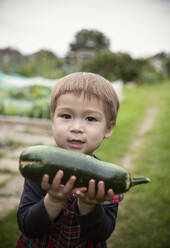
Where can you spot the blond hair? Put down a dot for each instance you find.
(91, 85)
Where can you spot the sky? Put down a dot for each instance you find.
(138, 27)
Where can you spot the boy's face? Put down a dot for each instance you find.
(79, 124)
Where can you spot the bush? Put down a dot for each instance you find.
(117, 66)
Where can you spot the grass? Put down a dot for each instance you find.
(132, 111)
(2, 184)
(11, 144)
(8, 230)
(144, 219)
(8, 171)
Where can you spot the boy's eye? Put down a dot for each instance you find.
(91, 118)
(65, 116)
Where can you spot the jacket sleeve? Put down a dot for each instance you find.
(100, 223)
(34, 222)
(32, 217)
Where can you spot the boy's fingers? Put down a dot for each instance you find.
(45, 182)
(91, 189)
(110, 195)
(57, 179)
(100, 192)
(80, 194)
(69, 185)
(82, 190)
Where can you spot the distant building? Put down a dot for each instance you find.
(78, 57)
(158, 61)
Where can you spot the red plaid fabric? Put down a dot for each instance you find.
(64, 234)
(118, 198)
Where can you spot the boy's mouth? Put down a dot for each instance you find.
(75, 143)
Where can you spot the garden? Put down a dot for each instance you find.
(140, 143)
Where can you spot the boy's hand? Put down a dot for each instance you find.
(57, 194)
(87, 201)
(56, 191)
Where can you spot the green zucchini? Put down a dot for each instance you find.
(35, 161)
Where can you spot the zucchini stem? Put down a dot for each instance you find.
(139, 180)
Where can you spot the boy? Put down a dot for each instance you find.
(84, 107)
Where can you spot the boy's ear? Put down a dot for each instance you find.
(109, 129)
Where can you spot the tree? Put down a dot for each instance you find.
(167, 66)
(89, 40)
(104, 64)
(116, 66)
(42, 63)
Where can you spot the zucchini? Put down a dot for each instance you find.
(35, 161)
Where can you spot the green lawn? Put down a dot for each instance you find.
(144, 218)
(8, 230)
(132, 111)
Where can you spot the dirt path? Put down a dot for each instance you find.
(29, 133)
(145, 126)
(15, 133)
(10, 194)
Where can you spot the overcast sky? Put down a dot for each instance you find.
(139, 27)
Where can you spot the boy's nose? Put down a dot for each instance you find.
(76, 126)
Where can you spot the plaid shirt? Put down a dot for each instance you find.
(65, 233)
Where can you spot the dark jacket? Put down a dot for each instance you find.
(70, 229)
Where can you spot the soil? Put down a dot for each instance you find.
(14, 136)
